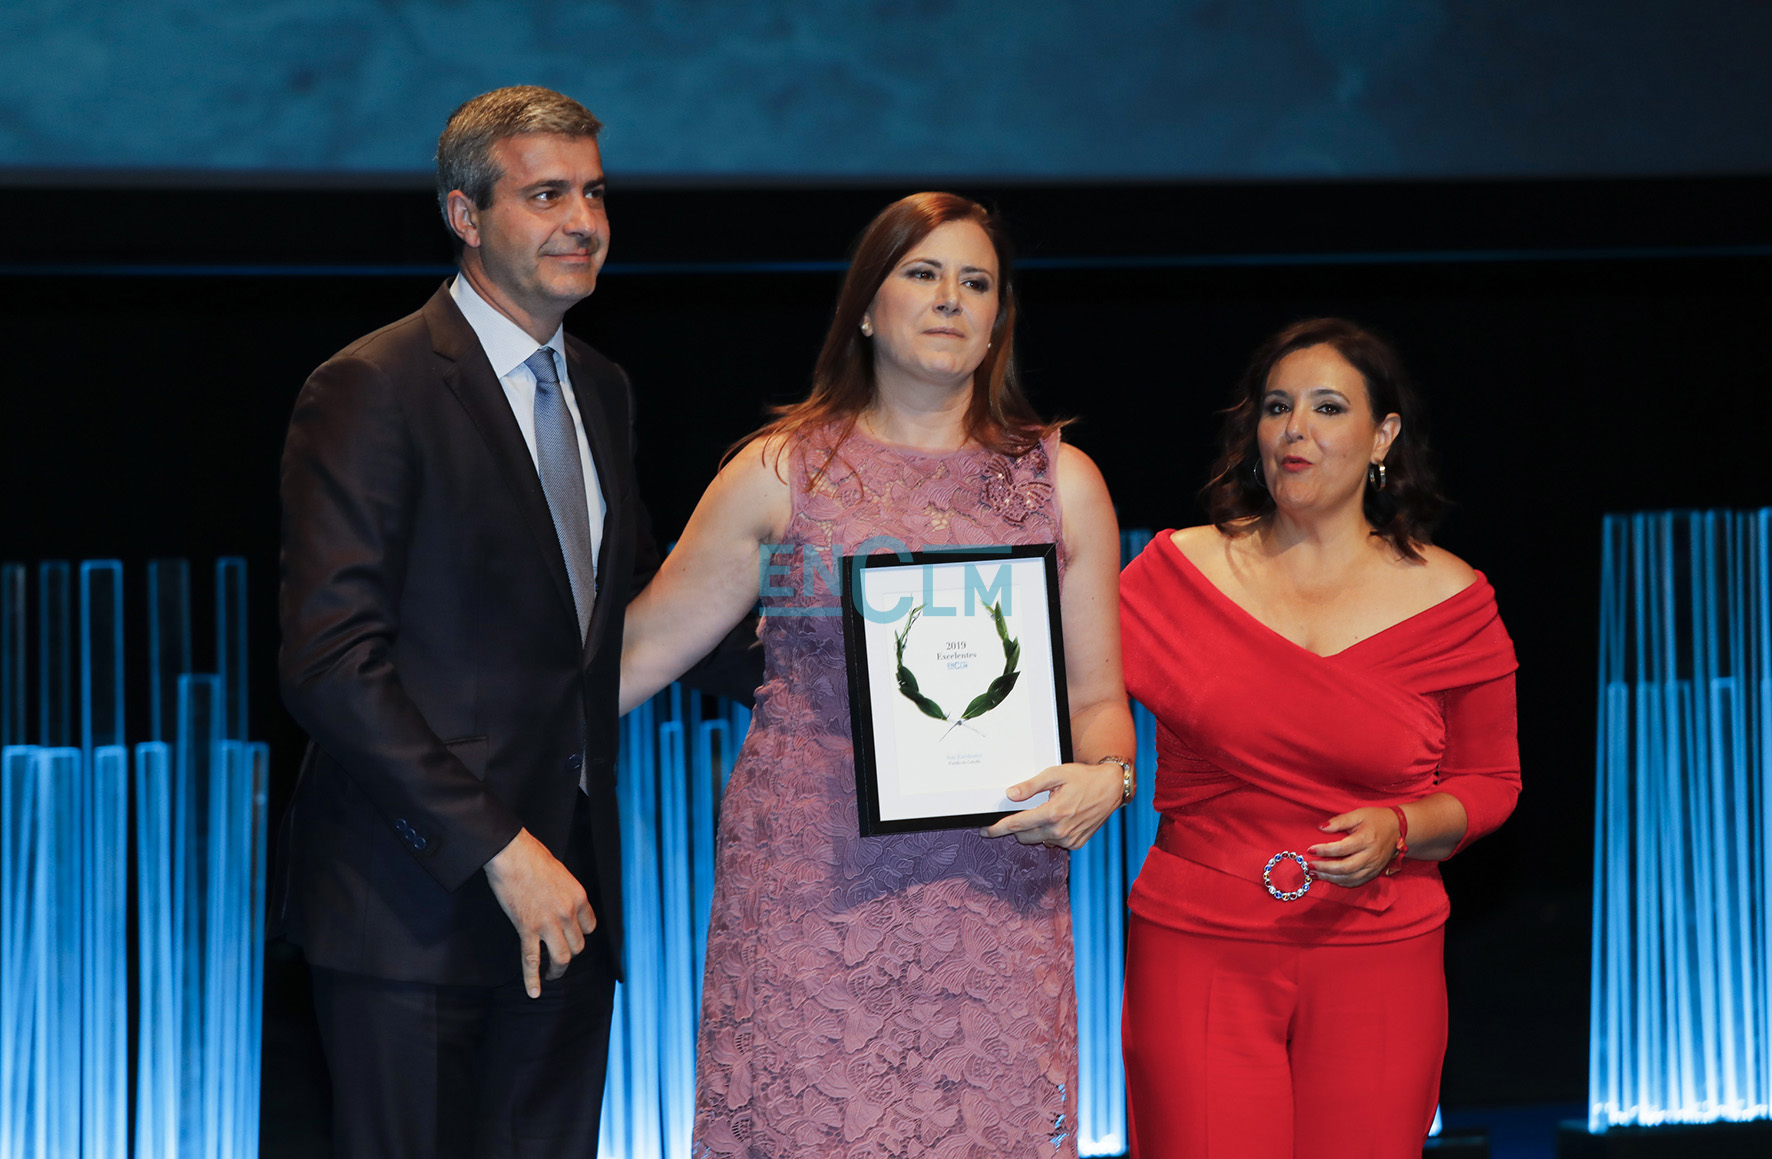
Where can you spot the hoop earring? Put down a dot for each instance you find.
(1375, 476)
(1255, 470)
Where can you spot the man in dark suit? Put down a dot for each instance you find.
(461, 535)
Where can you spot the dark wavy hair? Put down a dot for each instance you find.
(999, 416)
(1236, 497)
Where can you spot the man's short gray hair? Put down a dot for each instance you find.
(464, 151)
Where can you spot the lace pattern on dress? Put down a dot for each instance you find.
(888, 996)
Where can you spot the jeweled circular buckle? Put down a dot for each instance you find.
(1267, 876)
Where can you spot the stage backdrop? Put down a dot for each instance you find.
(1585, 347)
(822, 88)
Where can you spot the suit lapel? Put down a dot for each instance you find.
(603, 455)
(469, 376)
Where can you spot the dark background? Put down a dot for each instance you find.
(1584, 346)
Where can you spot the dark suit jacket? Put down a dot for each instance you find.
(431, 651)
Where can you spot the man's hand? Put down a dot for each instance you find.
(546, 904)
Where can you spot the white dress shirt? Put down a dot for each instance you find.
(508, 348)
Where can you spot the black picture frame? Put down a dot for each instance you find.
(874, 710)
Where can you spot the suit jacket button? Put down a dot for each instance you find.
(419, 843)
(575, 762)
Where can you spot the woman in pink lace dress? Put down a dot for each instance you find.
(911, 994)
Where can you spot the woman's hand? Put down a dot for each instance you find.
(1357, 858)
(1083, 798)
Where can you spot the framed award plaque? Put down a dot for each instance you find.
(956, 682)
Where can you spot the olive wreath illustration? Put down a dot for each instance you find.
(980, 704)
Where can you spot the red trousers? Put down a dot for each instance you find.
(1257, 1050)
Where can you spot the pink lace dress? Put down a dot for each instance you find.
(887, 996)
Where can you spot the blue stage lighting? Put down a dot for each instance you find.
(1681, 1009)
(65, 1072)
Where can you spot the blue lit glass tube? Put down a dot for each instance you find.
(157, 1046)
(644, 934)
(200, 836)
(1088, 936)
(227, 956)
(677, 1009)
(621, 1106)
(169, 643)
(1141, 815)
(101, 654)
(219, 977)
(1110, 1098)
(1680, 1023)
(13, 613)
(1101, 875)
(252, 1038)
(36, 1096)
(55, 661)
(1758, 594)
(62, 820)
(612, 1127)
(667, 893)
(194, 838)
(20, 914)
(230, 644)
(104, 1097)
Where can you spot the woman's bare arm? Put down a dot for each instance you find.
(1083, 794)
(709, 580)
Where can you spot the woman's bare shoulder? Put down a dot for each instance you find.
(751, 488)
(1077, 469)
(1083, 498)
(763, 453)
(1202, 543)
(1441, 574)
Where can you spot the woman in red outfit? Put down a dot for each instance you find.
(1335, 715)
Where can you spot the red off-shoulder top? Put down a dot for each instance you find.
(1260, 740)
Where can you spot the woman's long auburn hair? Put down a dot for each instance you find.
(998, 417)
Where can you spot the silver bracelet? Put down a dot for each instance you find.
(1128, 786)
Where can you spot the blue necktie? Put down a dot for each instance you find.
(563, 481)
